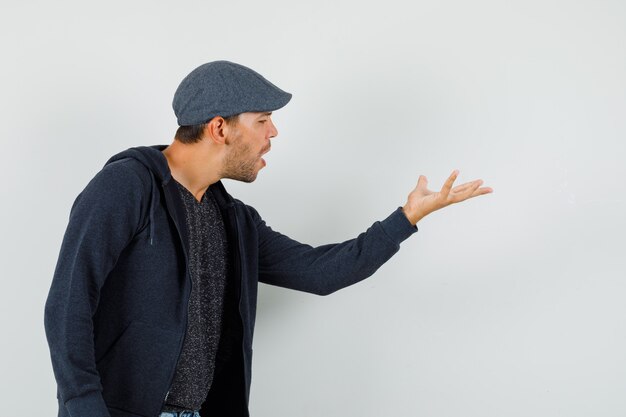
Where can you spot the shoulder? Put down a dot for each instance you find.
(248, 210)
(125, 182)
(126, 171)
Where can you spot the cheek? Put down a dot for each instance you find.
(261, 143)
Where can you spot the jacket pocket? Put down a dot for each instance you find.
(135, 371)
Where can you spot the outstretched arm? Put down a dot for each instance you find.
(324, 269)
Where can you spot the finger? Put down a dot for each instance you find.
(462, 187)
(480, 191)
(474, 186)
(447, 186)
(422, 182)
(468, 192)
(483, 190)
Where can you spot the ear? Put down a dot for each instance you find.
(216, 130)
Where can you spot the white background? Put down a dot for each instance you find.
(510, 304)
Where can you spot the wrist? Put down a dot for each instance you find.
(411, 214)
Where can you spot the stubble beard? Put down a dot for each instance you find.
(238, 165)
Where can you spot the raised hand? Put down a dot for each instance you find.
(422, 201)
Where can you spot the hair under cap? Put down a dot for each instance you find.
(224, 88)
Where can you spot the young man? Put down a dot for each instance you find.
(152, 306)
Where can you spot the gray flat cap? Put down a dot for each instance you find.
(223, 88)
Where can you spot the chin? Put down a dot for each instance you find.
(244, 175)
(248, 179)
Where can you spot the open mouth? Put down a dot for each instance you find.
(263, 153)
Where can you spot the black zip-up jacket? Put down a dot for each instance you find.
(116, 314)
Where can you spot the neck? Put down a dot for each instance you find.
(195, 166)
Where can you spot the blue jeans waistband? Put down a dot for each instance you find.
(180, 414)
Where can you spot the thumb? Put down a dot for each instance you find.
(422, 182)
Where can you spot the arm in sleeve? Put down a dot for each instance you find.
(102, 221)
(327, 268)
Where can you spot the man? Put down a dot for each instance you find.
(152, 306)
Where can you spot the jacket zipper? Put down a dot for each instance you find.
(239, 277)
(188, 276)
(180, 346)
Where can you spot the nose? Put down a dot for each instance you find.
(273, 131)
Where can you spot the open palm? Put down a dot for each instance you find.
(422, 201)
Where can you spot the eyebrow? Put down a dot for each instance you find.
(265, 114)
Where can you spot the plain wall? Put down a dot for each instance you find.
(510, 304)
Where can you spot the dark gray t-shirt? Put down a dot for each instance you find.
(208, 265)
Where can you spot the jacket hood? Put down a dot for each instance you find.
(153, 159)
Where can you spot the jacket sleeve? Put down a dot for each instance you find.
(102, 221)
(327, 268)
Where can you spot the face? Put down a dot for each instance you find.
(249, 140)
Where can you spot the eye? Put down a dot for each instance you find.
(262, 121)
